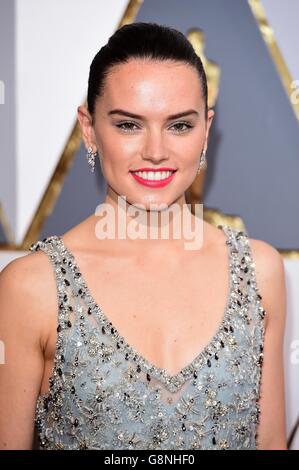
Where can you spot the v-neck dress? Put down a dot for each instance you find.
(103, 394)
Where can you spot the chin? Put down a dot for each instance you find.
(153, 205)
(154, 200)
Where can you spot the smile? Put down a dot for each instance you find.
(154, 179)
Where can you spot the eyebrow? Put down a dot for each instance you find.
(137, 116)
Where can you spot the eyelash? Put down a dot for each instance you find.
(189, 126)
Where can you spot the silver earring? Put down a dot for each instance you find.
(91, 158)
(203, 162)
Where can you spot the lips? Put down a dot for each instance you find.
(150, 182)
(154, 169)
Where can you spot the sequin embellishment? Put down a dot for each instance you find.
(104, 395)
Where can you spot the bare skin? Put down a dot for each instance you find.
(175, 295)
(152, 298)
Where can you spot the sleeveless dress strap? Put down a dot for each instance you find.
(245, 271)
(63, 280)
(249, 266)
(255, 312)
(65, 315)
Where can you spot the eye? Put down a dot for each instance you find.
(127, 125)
(179, 128)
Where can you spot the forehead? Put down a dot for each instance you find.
(152, 84)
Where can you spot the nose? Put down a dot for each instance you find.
(154, 147)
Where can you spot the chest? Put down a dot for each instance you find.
(167, 312)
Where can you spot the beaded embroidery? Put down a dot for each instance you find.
(104, 395)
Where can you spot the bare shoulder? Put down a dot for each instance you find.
(268, 261)
(23, 283)
(26, 273)
(27, 289)
(270, 277)
(266, 253)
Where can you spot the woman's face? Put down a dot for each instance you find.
(152, 91)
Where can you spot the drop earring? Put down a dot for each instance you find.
(203, 162)
(91, 158)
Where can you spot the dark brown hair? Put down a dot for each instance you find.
(146, 41)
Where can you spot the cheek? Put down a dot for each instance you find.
(118, 147)
(189, 152)
(119, 157)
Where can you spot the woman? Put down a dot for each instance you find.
(156, 346)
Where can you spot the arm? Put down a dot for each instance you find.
(21, 331)
(271, 283)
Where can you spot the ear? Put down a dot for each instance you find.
(87, 131)
(211, 114)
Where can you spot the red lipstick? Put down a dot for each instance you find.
(154, 183)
